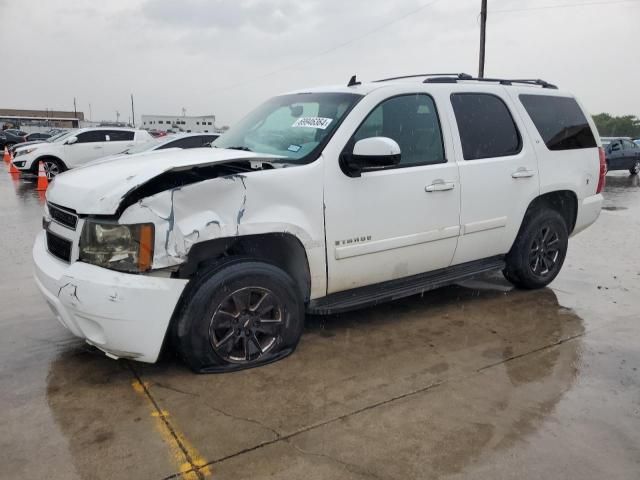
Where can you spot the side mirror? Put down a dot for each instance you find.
(615, 147)
(372, 153)
(71, 140)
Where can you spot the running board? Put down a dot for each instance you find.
(401, 287)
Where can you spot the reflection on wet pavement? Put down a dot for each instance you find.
(471, 381)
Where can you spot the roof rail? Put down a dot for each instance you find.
(457, 75)
(501, 81)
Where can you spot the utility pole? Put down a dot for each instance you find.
(133, 113)
(117, 117)
(90, 115)
(483, 28)
(75, 112)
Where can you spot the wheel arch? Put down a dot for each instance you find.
(565, 202)
(36, 162)
(283, 250)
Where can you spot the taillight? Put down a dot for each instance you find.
(603, 170)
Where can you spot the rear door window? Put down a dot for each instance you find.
(486, 127)
(559, 121)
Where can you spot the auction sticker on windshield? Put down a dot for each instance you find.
(313, 122)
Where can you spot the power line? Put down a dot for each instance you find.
(293, 65)
(332, 49)
(565, 5)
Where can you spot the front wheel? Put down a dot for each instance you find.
(242, 314)
(635, 169)
(52, 167)
(539, 250)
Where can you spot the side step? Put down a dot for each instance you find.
(402, 287)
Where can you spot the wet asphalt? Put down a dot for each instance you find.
(476, 381)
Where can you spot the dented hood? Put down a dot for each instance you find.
(98, 189)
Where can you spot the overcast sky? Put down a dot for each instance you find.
(225, 56)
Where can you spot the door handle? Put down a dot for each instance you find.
(439, 185)
(523, 172)
(97, 147)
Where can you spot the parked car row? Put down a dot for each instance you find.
(74, 148)
(31, 140)
(11, 136)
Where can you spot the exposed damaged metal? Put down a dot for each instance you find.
(198, 204)
(73, 292)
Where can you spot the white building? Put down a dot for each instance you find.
(176, 123)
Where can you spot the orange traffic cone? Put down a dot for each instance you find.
(7, 156)
(43, 183)
(13, 169)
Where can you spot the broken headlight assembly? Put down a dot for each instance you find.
(126, 248)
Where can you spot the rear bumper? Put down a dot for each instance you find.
(588, 212)
(122, 314)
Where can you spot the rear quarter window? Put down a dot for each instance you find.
(559, 121)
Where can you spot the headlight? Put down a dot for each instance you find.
(126, 248)
(25, 151)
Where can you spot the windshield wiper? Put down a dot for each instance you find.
(243, 148)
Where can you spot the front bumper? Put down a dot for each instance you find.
(24, 162)
(124, 315)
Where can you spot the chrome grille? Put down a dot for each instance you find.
(62, 216)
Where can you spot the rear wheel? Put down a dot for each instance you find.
(635, 169)
(242, 314)
(539, 250)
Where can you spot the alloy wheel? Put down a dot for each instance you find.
(544, 251)
(246, 325)
(51, 169)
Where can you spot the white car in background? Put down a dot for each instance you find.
(77, 148)
(179, 140)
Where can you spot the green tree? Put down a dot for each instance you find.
(624, 126)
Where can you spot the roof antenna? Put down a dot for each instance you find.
(353, 82)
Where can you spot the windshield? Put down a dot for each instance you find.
(290, 126)
(61, 136)
(57, 136)
(143, 147)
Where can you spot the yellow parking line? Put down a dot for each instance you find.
(191, 465)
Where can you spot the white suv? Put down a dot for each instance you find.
(319, 201)
(77, 148)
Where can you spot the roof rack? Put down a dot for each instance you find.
(501, 81)
(455, 77)
(423, 75)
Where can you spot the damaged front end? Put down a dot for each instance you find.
(130, 248)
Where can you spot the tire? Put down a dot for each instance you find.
(635, 169)
(226, 325)
(539, 251)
